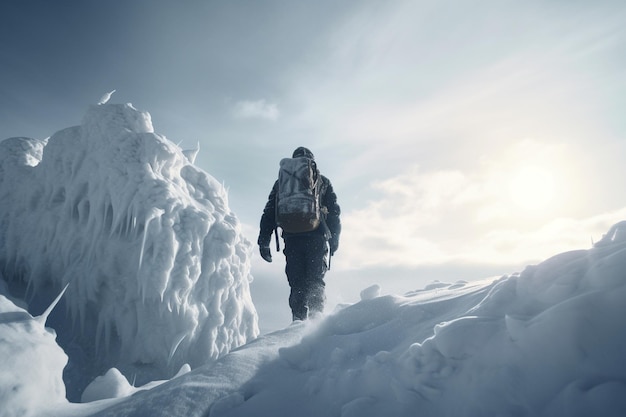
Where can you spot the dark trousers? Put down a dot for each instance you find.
(306, 266)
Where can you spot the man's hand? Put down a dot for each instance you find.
(265, 253)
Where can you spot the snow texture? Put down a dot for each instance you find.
(157, 266)
(31, 363)
(546, 342)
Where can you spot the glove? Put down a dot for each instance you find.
(265, 253)
(334, 245)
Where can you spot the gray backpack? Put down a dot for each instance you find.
(298, 197)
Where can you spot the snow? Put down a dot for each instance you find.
(546, 341)
(157, 266)
(31, 363)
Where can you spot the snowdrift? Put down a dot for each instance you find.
(157, 266)
(548, 341)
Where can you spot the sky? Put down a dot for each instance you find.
(464, 139)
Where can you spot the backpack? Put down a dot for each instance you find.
(298, 196)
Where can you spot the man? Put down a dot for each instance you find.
(305, 252)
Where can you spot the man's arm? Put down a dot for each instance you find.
(333, 221)
(268, 224)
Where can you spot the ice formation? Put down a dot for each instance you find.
(156, 263)
(31, 362)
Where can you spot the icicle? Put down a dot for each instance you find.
(99, 331)
(143, 246)
(29, 284)
(118, 225)
(154, 213)
(43, 317)
(92, 247)
(132, 225)
(82, 316)
(181, 336)
(107, 223)
(107, 334)
(142, 290)
(192, 153)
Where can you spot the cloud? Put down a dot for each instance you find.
(259, 109)
(422, 217)
(389, 80)
(555, 236)
(408, 224)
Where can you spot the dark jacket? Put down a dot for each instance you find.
(331, 224)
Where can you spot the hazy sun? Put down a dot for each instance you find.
(532, 188)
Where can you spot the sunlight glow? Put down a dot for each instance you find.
(532, 188)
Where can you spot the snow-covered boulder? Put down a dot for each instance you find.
(157, 266)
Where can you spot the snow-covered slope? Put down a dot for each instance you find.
(157, 267)
(548, 341)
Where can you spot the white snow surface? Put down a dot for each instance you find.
(547, 341)
(157, 266)
(31, 363)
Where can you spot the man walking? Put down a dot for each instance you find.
(306, 243)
